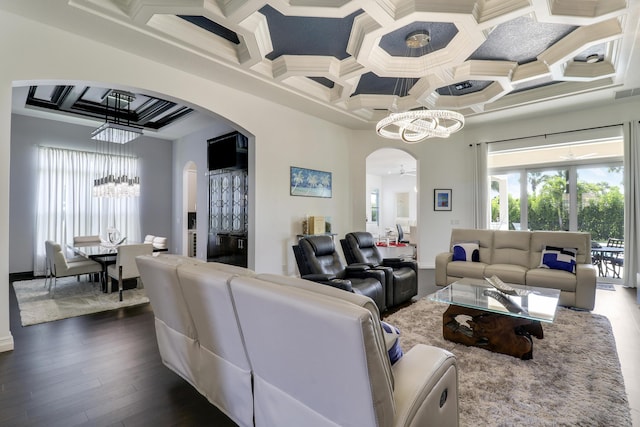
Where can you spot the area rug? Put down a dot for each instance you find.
(605, 286)
(72, 298)
(574, 378)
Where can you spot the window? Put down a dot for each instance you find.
(573, 186)
(65, 204)
(375, 205)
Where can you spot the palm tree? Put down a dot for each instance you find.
(535, 179)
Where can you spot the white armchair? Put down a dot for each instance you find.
(125, 267)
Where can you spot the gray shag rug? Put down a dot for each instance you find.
(71, 298)
(574, 378)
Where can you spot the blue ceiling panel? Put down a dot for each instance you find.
(521, 40)
(370, 83)
(296, 35)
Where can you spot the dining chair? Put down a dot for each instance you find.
(125, 267)
(614, 261)
(160, 242)
(49, 268)
(59, 267)
(82, 241)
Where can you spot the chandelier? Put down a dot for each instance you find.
(416, 125)
(117, 177)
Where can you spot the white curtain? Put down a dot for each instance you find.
(481, 191)
(65, 206)
(632, 204)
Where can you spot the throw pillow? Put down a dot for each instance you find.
(559, 258)
(466, 252)
(392, 341)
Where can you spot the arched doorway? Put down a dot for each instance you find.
(392, 193)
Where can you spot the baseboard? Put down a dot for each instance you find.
(15, 277)
(6, 343)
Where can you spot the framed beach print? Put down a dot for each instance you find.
(441, 200)
(310, 182)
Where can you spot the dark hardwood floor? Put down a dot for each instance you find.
(105, 370)
(96, 370)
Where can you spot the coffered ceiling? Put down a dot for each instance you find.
(350, 56)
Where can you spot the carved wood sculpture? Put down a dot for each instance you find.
(495, 332)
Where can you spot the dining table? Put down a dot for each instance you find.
(105, 254)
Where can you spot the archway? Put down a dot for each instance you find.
(392, 193)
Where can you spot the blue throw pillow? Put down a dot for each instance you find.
(466, 252)
(559, 258)
(392, 341)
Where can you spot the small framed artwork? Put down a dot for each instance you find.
(441, 200)
(310, 183)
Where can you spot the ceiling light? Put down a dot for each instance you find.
(114, 132)
(593, 58)
(116, 129)
(416, 125)
(119, 178)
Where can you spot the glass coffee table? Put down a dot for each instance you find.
(481, 316)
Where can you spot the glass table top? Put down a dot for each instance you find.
(531, 303)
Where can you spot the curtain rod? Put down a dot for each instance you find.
(549, 134)
(86, 151)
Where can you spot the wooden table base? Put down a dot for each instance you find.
(495, 332)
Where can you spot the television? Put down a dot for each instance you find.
(227, 152)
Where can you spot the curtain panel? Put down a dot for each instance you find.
(632, 204)
(66, 207)
(481, 191)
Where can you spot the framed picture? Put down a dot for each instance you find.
(310, 183)
(441, 200)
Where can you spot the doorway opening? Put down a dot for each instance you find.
(392, 194)
(189, 203)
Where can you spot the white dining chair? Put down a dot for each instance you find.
(125, 267)
(160, 242)
(61, 268)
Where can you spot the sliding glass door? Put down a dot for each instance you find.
(572, 187)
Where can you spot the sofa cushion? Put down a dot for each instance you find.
(508, 273)
(466, 252)
(473, 270)
(561, 239)
(557, 258)
(511, 247)
(555, 279)
(483, 237)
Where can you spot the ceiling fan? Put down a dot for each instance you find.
(404, 172)
(572, 156)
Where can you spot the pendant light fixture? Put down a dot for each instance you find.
(118, 178)
(416, 125)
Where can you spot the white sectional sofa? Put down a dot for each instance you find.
(272, 350)
(515, 257)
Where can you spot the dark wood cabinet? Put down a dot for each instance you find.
(228, 201)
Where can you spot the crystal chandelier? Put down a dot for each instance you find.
(120, 178)
(416, 125)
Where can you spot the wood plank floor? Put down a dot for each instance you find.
(105, 370)
(97, 370)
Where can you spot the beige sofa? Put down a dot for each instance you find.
(515, 257)
(271, 350)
